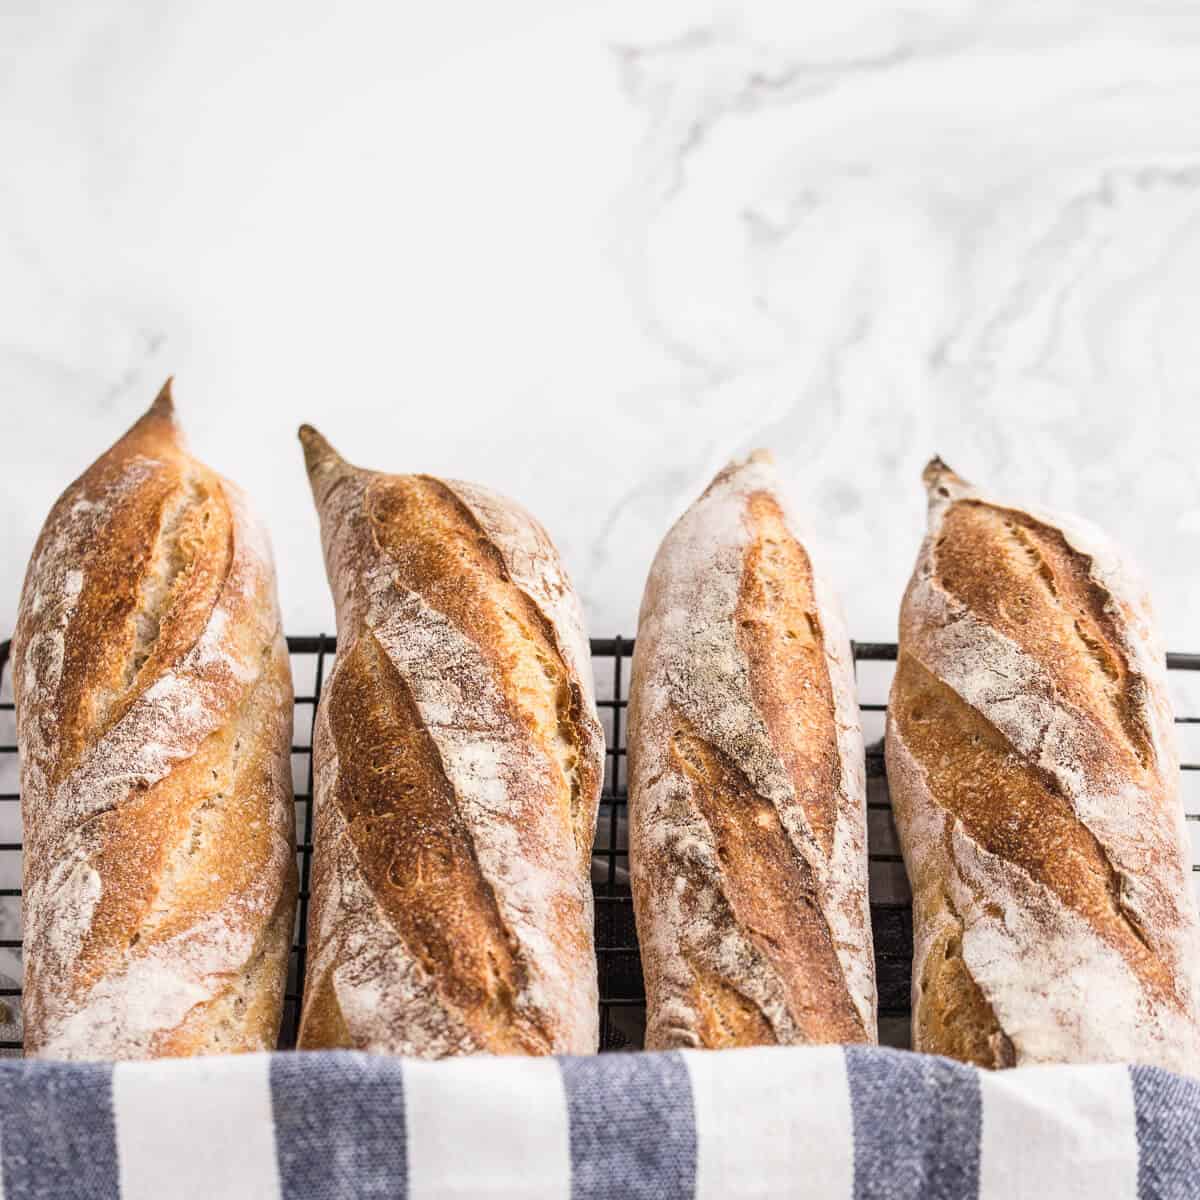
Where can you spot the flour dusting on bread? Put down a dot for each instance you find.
(151, 672)
(1076, 932)
(716, 973)
(502, 724)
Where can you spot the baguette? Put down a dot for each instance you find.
(746, 789)
(1034, 779)
(458, 766)
(154, 707)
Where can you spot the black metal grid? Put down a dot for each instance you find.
(622, 1001)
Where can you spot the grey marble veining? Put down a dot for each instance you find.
(586, 257)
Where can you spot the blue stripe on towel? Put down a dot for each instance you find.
(57, 1134)
(1168, 1134)
(916, 1126)
(633, 1128)
(339, 1126)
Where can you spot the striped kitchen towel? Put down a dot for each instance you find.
(822, 1122)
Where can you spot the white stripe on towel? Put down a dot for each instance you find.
(201, 1128)
(772, 1121)
(1056, 1133)
(499, 1121)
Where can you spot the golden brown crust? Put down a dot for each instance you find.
(324, 1026)
(458, 770)
(747, 836)
(725, 1019)
(1037, 590)
(107, 667)
(410, 839)
(1034, 791)
(1015, 811)
(952, 1014)
(779, 631)
(443, 554)
(772, 895)
(154, 712)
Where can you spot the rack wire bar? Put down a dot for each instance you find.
(622, 998)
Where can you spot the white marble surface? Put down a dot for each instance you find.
(585, 253)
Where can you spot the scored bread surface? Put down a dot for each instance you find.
(458, 763)
(1034, 779)
(154, 714)
(747, 796)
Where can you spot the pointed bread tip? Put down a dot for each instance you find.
(759, 457)
(943, 483)
(164, 402)
(159, 421)
(317, 450)
(936, 471)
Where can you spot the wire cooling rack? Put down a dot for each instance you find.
(622, 1000)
